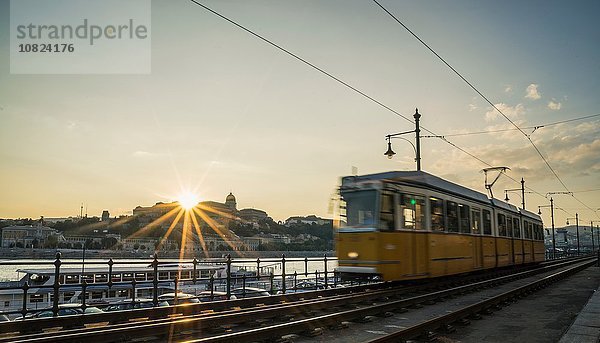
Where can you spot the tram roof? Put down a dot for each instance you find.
(423, 179)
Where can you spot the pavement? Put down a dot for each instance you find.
(586, 327)
(544, 316)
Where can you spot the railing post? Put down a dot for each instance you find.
(257, 269)
(57, 264)
(133, 289)
(110, 268)
(306, 266)
(194, 278)
(283, 273)
(155, 281)
(83, 289)
(295, 281)
(175, 300)
(228, 276)
(25, 288)
(325, 260)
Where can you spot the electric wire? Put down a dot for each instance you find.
(528, 136)
(535, 127)
(350, 87)
(356, 90)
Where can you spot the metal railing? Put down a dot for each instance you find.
(233, 277)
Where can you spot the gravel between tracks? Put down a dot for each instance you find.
(540, 317)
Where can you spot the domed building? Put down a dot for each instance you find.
(230, 202)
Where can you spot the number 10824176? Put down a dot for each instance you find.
(46, 48)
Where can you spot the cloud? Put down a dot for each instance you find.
(472, 107)
(509, 111)
(508, 89)
(532, 92)
(554, 105)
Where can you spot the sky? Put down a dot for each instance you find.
(222, 111)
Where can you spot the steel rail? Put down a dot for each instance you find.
(203, 322)
(307, 325)
(427, 327)
(25, 327)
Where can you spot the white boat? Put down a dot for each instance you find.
(103, 287)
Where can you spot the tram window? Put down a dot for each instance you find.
(386, 215)
(452, 215)
(412, 211)
(463, 214)
(437, 214)
(501, 225)
(509, 226)
(487, 222)
(539, 235)
(516, 228)
(475, 221)
(360, 207)
(527, 229)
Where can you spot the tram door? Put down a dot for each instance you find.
(477, 239)
(413, 218)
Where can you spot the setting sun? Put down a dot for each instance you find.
(188, 200)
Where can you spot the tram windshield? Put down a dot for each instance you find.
(361, 208)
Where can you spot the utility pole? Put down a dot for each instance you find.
(523, 192)
(577, 226)
(553, 238)
(592, 229)
(390, 153)
(418, 138)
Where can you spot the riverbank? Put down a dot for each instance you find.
(17, 253)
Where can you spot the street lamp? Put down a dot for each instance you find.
(522, 189)
(577, 226)
(551, 216)
(390, 153)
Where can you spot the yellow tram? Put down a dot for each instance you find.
(404, 225)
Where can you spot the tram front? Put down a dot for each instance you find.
(359, 242)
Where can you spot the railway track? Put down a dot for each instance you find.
(278, 316)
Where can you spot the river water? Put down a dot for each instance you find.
(9, 267)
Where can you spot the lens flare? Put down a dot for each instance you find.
(188, 200)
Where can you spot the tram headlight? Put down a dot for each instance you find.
(353, 255)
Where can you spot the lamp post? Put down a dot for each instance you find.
(577, 226)
(551, 216)
(390, 153)
(598, 232)
(522, 189)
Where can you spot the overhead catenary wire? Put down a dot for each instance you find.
(534, 127)
(353, 88)
(337, 79)
(527, 136)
